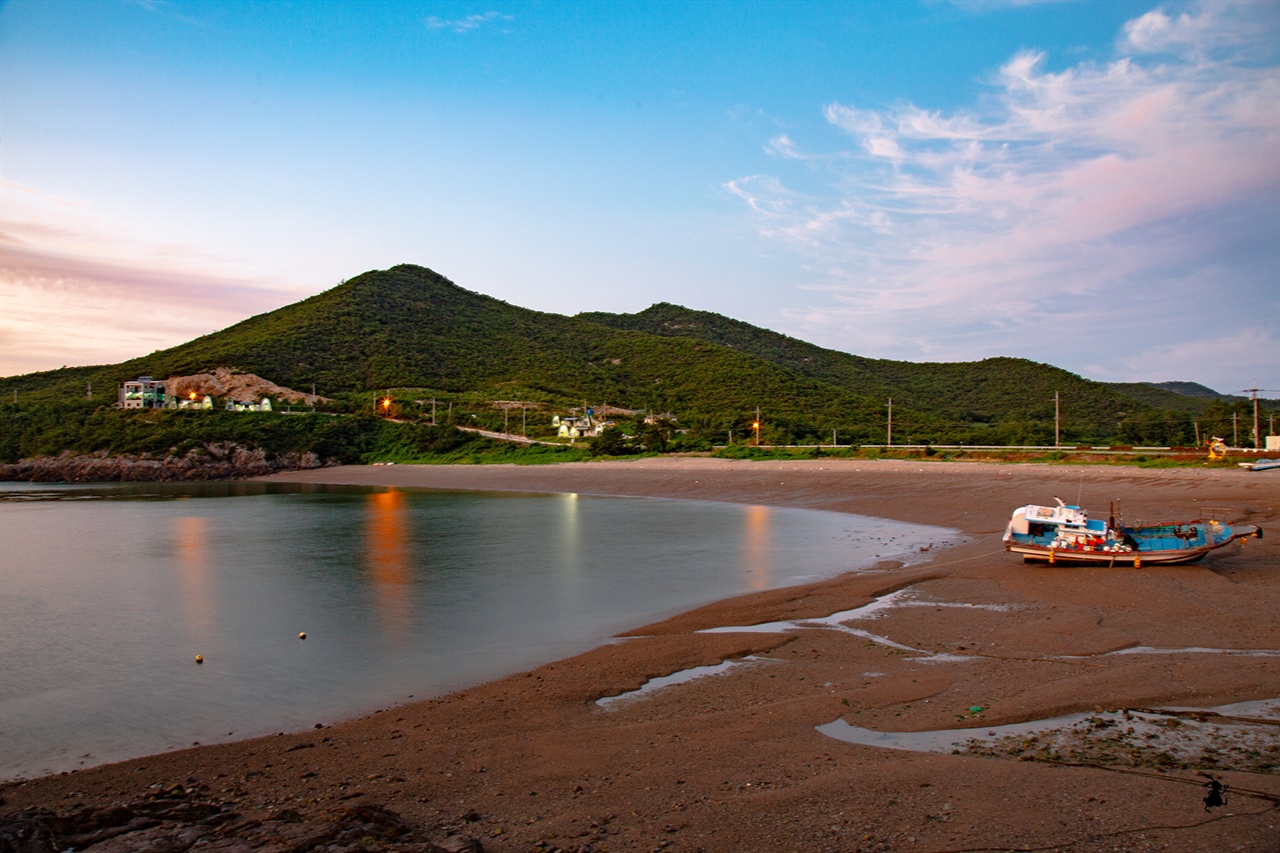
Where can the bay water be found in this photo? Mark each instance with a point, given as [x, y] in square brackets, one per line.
[109, 593]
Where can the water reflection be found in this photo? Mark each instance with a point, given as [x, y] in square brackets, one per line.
[191, 545]
[757, 547]
[98, 630]
[570, 535]
[387, 564]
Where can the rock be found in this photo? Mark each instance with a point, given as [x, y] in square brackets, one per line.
[177, 820]
[241, 387]
[214, 461]
[26, 833]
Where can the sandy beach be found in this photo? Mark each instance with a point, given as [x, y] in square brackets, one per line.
[734, 762]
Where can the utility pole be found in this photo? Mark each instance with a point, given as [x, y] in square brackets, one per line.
[890, 440]
[756, 426]
[1257, 434]
[1057, 421]
[1235, 429]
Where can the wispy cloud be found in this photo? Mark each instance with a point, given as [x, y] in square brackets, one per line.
[167, 8]
[62, 267]
[466, 24]
[1066, 201]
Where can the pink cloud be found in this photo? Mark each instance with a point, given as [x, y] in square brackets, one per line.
[994, 223]
[62, 271]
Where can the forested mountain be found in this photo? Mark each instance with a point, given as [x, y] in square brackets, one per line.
[410, 328]
[976, 392]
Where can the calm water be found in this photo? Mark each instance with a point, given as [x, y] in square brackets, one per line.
[108, 594]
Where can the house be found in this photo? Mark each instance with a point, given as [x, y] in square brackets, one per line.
[586, 426]
[191, 401]
[143, 393]
[237, 406]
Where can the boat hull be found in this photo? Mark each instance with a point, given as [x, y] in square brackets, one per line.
[1137, 558]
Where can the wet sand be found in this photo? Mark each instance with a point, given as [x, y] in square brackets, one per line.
[734, 762]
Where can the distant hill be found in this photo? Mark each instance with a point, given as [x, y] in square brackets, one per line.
[1190, 389]
[410, 328]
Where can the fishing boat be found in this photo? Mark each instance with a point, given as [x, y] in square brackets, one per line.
[1261, 465]
[1066, 534]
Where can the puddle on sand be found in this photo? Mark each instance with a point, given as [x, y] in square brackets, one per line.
[681, 677]
[939, 741]
[1240, 736]
[1191, 650]
[898, 598]
[835, 622]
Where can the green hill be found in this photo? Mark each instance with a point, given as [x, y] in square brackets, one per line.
[975, 393]
[412, 329]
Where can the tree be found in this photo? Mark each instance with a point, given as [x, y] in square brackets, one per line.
[611, 442]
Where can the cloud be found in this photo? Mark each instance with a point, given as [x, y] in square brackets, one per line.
[466, 24]
[1024, 223]
[62, 267]
[1202, 359]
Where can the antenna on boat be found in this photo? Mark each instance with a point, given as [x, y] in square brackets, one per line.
[1080, 491]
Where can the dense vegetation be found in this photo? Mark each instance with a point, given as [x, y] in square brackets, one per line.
[443, 355]
[80, 428]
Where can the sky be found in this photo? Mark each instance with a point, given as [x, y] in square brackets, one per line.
[1093, 185]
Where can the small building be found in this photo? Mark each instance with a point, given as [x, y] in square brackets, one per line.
[144, 393]
[583, 427]
[191, 401]
[238, 406]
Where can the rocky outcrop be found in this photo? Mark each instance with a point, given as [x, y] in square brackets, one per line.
[183, 818]
[219, 461]
[227, 384]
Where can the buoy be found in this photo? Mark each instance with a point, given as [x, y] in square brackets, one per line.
[199, 658]
[302, 635]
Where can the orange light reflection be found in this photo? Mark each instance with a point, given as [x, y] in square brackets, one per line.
[191, 543]
[757, 547]
[386, 560]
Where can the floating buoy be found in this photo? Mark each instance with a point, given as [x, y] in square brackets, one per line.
[199, 658]
[302, 635]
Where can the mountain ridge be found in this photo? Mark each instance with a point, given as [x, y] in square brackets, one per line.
[411, 327]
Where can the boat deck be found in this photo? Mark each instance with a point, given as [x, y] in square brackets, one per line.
[1175, 537]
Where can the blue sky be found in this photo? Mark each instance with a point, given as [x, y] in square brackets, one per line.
[1094, 185]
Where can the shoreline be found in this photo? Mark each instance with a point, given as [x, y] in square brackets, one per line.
[531, 757]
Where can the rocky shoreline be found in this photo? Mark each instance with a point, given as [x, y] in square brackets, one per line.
[212, 462]
[183, 817]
